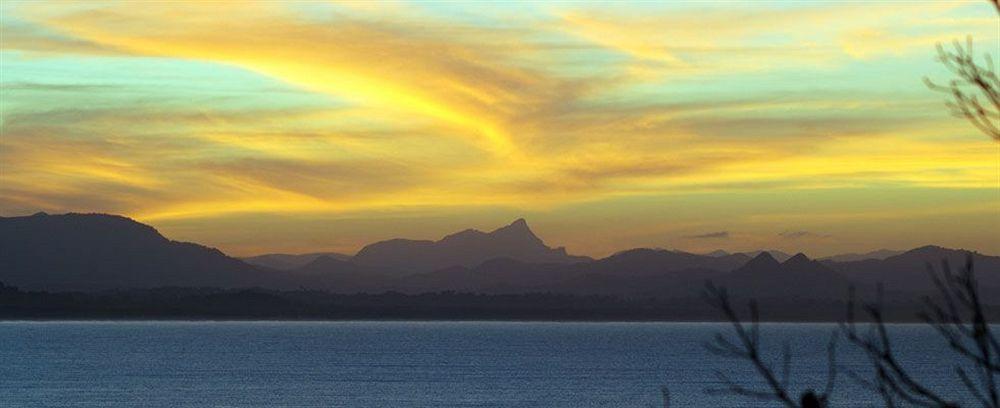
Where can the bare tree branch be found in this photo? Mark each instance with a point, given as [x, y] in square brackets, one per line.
[956, 313]
[960, 319]
[975, 89]
[891, 377]
[748, 347]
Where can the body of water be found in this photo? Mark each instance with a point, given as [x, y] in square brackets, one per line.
[415, 364]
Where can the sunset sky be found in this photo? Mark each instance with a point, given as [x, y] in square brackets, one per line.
[297, 127]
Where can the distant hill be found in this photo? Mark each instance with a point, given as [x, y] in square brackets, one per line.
[467, 248]
[343, 276]
[499, 275]
[99, 251]
[285, 262]
[796, 277]
[908, 271]
[777, 255]
[94, 252]
[636, 271]
[644, 261]
[879, 254]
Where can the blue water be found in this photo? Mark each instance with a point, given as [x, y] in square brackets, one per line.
[412, 364]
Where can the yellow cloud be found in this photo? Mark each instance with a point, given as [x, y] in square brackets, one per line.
[349, 60]
[730, 40]
[439, 111]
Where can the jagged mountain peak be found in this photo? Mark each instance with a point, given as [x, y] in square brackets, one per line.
[466, 248]
[519, 226]
[797, 259]
[763, 259]
[520, 223]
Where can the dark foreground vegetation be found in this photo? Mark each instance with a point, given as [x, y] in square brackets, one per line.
[239, 304]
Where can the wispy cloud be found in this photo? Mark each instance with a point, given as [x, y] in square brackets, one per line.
[164, 111]
[801, 235]
[710, 235]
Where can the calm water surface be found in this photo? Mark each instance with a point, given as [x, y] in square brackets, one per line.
[409, 364]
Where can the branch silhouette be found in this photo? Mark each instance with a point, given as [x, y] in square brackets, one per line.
[974, 92]
[959, 318]
[956, 313]
[748, 347]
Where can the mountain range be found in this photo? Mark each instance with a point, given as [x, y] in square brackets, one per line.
[94, 252]
[99, 251]
[467, 248]
[286, 262]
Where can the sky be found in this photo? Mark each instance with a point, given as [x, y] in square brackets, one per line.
[294, 127]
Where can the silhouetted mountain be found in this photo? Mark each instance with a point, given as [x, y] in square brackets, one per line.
[908, 271]
[685, 283]
[796, 277]
[879, 254]
[326, 264]
[764, 262]
[285, 262]
[467, 248]
[499, 275]
[643, 261]
[637, 271]
[718, 253]
[777, 255]
[342, 276]
[98, 251]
